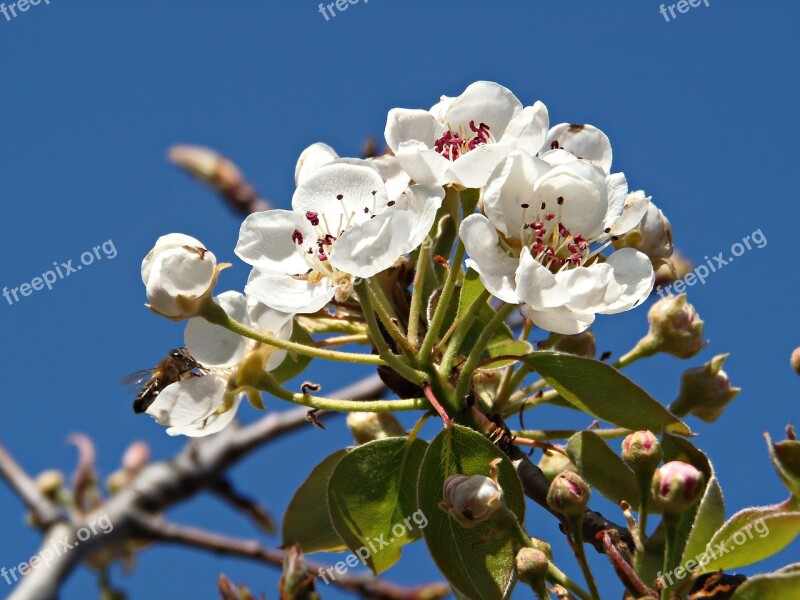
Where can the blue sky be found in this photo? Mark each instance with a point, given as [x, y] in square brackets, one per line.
[698, 110]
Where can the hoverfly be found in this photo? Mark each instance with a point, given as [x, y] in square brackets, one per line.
[176, 366]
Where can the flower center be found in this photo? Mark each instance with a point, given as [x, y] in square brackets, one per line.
[552, 244]
[453, 144]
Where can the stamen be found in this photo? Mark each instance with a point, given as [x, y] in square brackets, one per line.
[312, 217]
[297, 237]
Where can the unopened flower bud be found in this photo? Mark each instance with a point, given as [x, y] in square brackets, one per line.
[471, 499]
[652, 236]
[705, 391]
[580, 344]
[677, 486]
[677, 267]
[542, 546]
[675, 328]
[179, 274]
[568, 493]
[136, 457]
[552, 463]
[50, 483]
[795, 360]
[532, 566]
[641, 451]
[366, 426]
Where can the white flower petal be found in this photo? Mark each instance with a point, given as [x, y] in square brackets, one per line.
[422, 202]
[616, 194]
[407, 125]
[633, 212]
[287, 294]
[178, 274]
[473, 169]
[633, 271]
[267, 241]
[423, 164]
[394, 177]
[496, 270]
[483, 102]
[588, 286]
[509, 187]
[584, 141]
[212, 345]
[537, 286]
[559, 320]
[576, 202]
[171, 240]
[342, 194]
[280, 324]
[439, 110]
[311, 159]
[369, 248]
[213, 424]
[528, 129]
[188, 402]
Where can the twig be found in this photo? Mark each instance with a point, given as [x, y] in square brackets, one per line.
[158, 529]
[252, 509]
[624, 569]
[45, 512]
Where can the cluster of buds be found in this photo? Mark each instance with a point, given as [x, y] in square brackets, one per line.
[705, 391]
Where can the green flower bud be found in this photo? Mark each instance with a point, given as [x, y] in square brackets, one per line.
[568, 493]
[471, 499]
[367, 427]
[675, 328]
[532, 567]
[641, 451]
[552, 463]
[705, 391]
[580, 344]
[677, 486]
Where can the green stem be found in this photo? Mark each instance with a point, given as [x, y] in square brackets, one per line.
[545, 435]
[576, 540]
[442, 305]
[511, 381]
[213, 313]
[671, 523]
[480, 345]
[266, 383]
[417, 294]
[389, 358]
[465, 322]
[388, 316]
[642, 349]
[558, 577]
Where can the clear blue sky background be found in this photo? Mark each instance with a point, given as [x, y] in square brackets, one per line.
[701, 112]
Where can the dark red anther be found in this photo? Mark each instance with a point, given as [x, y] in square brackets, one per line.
[554, 145]
[572, 248]
[297, 237]
[328, 239]
[576, 258]
[563, 231]
[538, 225]
[549, 217]
[312, 217]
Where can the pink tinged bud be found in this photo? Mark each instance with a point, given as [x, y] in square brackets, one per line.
[795, 360]
[705, 391]
[532, 566]
[568, 493]
[136, 457]
[677, 486]
[641, 451]
[471, 499]
[675, 327]
[367, 427]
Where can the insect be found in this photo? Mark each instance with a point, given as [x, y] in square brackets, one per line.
[176, 366]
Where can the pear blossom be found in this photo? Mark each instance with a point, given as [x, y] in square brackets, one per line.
[539, 240]
[178, 274]
[342, 226]
[586, 142]
[461, 140]
[206, 404]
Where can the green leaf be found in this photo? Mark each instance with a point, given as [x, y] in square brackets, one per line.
[502, 347]
[471, 289]
[372, 500]
[294, 363]
[782, 584]
[602, 468]
[478, 565]
[603, 392]
[751, 535]
[785, 457]
[307, 521]
[709, 518]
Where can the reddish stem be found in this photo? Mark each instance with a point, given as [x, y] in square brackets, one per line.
[435, 403]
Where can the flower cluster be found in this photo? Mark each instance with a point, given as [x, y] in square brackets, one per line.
[548, 207]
